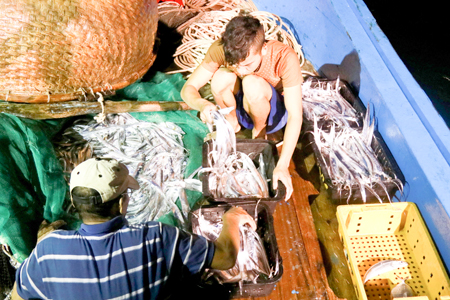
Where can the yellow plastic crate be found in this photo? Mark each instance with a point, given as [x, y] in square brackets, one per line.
[376, 232]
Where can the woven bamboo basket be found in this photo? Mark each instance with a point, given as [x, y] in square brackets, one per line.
[60, 50]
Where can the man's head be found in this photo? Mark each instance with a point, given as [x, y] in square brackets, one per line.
[98, 186]
[243, 41]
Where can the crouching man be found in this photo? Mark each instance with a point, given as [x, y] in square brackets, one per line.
[261, 79]
[108, 259]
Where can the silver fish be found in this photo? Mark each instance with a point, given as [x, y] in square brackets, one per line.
[326, 103]
[231, 173]
[402, 290]
[252, 259]
[350, 160]
[383, 267]
[154, 154]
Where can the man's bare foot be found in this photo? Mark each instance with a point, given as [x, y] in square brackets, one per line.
[232, 119]
[276, 137]
[259, 134]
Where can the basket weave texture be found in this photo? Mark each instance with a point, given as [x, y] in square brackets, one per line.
[59, 50]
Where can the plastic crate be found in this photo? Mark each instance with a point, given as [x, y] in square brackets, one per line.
[265, 230]
[347, 93]
[375, 232]
[388, 164]
[270, 156]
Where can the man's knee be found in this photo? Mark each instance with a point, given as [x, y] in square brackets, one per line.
[256, 89]
[222, 80]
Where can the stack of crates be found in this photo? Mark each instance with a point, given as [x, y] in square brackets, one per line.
[372, 233]
[261, 209]
[380, 148]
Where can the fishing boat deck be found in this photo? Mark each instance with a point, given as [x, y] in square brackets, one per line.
[307, 271]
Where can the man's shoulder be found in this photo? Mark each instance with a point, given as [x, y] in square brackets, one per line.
[58, 235]
[280, 49]
[216, 48]
[277, 45]
[151, 225]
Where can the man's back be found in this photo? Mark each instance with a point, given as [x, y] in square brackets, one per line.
[112, 261]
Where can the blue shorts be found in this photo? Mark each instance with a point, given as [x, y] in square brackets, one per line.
[278, 114]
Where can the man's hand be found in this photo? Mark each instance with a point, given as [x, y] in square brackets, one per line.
[283, 175]
[205, 111]
[14, 295]
[46, 228]
[227, 244]
[238, 216]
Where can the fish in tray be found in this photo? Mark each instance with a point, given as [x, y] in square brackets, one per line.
[350, 160]
[155, 156]
[251, 262]
[232, 173]
[324, 102]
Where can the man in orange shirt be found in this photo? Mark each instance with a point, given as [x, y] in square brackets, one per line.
[261, 79]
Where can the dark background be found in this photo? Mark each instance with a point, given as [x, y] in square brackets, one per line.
[419, 31]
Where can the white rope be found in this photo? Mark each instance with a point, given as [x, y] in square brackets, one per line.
[13, 261]
[101, 117]
[200, 35]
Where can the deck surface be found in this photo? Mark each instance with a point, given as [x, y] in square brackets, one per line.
[304, 275]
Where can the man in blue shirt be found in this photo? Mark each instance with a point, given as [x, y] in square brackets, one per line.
[108, 259]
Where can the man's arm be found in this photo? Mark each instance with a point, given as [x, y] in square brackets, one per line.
[190, 95]
[227, 244]
[293, 103]
[14, 295]
[44, 229]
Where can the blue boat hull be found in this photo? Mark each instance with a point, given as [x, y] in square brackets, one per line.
[341, 38]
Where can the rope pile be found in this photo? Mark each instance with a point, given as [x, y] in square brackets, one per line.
[208, 25]
[180, 17]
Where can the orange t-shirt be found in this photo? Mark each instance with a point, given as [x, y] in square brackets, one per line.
[279, 66]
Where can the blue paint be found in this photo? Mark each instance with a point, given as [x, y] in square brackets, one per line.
[295, 292]
[341, 38]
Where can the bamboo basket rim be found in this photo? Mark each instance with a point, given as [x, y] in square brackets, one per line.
[49, 98]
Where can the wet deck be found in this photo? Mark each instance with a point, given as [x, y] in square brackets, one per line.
[313, 260]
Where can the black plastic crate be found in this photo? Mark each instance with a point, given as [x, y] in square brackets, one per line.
[347, 93]
[387, 162]
[265, 229]
[270, 156]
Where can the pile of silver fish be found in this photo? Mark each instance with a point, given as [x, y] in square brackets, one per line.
[155, 156]
[325, 102]
[231, 173]
[251, 262]
[350, 160]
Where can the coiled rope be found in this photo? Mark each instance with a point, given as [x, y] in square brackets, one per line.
[208, 25]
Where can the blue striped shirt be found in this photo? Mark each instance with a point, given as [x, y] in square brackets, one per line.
[112, 260]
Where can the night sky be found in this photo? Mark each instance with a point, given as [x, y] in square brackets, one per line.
[420, 34]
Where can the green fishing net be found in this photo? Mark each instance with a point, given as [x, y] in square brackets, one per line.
[32, 186]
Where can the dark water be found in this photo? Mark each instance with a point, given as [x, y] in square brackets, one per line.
[419, 31]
